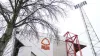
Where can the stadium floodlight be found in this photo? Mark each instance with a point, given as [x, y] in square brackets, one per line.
[90, 30]
[80, 5]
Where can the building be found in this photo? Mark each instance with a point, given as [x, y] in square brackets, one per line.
[60, 49]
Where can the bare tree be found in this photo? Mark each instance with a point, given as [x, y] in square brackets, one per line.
[27, 14]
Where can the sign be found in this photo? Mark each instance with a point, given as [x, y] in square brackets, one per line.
[45, 46]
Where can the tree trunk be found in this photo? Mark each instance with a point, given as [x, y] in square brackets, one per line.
[17, 46]
[5, 38]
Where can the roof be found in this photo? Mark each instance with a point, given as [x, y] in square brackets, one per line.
[76, 47]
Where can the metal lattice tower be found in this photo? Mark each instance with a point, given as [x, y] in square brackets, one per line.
[93, 38]
[72, 44]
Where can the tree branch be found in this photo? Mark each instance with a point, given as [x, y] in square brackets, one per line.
[29, 5]
[11, 5]
[23, 21]
[27, 16]
[3, 14]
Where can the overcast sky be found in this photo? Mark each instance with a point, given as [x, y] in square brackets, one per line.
[74, 22]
